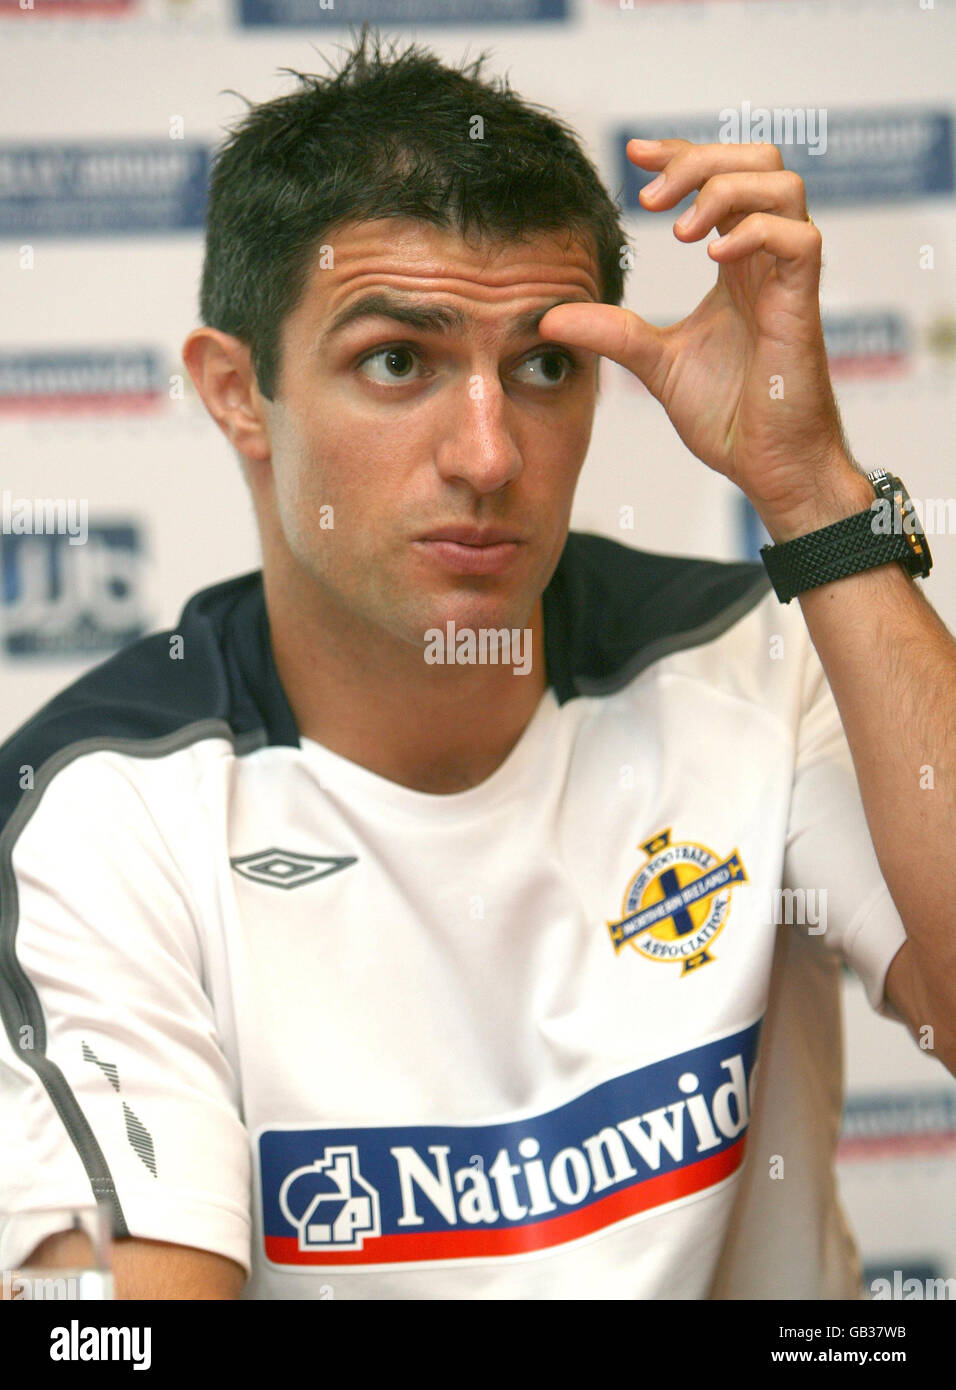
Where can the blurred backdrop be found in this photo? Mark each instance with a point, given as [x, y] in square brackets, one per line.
[109, 111]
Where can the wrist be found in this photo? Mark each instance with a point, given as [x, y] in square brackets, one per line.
[844, 495]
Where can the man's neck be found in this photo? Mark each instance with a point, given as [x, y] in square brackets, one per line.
[431, 727]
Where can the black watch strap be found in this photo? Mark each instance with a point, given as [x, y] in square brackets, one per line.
[833, 552]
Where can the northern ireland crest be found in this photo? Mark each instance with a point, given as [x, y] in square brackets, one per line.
[677, 903]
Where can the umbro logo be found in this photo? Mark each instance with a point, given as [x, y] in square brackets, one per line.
[283, 869]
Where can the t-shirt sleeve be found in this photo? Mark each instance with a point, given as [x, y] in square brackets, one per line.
[829, 848]
[113, 1075]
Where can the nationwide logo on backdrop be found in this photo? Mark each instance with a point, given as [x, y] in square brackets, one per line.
[61, 598]
[102, 189]
[897, 1123]
[871, 156]
[314, 13]
[405, 1193]
[57, 382]
[867, 344]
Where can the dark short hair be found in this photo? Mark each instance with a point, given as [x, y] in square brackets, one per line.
[387, 135]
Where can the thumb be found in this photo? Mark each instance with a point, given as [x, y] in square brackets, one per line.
[611, 332]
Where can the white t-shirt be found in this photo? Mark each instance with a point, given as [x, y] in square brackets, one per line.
[378, 1043]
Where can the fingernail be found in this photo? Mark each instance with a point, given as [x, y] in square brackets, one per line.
[647, 144]
[652, 189]
[686, 218]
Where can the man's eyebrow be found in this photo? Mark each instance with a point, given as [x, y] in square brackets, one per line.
[429, 318]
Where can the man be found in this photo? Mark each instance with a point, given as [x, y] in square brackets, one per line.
[340, 956]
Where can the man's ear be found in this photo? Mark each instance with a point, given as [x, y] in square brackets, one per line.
[221, 370]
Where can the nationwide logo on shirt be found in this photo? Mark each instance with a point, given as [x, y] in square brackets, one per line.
[395, 1194]
[676, 905]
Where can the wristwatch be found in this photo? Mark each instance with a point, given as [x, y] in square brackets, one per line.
[888, 530]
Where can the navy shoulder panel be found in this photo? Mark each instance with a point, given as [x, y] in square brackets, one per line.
[611, 610]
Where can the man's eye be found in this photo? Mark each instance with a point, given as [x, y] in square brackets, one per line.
[390, 365]
[550, 368]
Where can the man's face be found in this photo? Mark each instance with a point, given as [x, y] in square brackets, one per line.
[435, 406]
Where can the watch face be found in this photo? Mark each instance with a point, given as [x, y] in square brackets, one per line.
[905, 520]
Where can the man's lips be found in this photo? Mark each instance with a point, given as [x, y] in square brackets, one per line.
[472, 535]
[471, 549]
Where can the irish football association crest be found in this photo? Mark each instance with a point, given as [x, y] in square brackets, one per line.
[677, 904]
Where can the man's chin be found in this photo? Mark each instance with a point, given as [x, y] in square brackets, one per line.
[470, 612]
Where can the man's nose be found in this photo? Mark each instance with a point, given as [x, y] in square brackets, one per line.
[479, 445]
